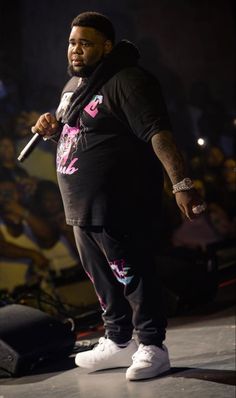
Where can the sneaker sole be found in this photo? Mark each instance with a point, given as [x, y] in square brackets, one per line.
[104, 366]
[140, 375]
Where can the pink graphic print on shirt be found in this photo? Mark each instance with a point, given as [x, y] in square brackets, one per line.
[70, 137]
[91, 108]
[66, 151]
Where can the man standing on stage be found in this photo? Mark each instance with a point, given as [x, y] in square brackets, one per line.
[113, 139]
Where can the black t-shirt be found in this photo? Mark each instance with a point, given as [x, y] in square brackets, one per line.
[107, 171]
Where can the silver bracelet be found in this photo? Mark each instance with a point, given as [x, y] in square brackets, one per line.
[185, 185]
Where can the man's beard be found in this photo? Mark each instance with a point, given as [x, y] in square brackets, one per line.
[85, 71]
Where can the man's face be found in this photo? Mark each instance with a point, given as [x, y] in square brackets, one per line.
[86, 48]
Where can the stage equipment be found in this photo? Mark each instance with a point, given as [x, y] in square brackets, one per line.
[29, 337]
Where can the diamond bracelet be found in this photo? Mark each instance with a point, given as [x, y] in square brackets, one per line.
[185, 185]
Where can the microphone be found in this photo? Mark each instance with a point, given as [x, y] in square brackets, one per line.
[26, 151]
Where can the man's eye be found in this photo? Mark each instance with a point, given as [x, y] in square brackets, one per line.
[86, 44]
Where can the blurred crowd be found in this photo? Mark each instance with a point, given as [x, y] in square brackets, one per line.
[214, 177]
[36, 243]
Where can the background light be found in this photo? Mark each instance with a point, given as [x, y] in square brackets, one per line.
[201, 141]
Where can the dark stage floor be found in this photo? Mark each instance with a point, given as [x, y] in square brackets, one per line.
[201, 343]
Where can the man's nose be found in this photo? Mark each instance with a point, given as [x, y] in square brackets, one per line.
[78, 48]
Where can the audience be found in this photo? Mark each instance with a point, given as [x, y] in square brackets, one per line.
[211, 227]
[22, 237]
[229, 187]
[48, 206]
[42, 164]
[10, 169]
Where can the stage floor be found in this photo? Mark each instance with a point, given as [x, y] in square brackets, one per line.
[202, 351]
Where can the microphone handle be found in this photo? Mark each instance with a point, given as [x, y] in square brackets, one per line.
[26, 151]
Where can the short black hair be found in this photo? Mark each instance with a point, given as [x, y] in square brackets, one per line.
[100, 22]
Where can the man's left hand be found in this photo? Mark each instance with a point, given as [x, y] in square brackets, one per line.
[190, 203]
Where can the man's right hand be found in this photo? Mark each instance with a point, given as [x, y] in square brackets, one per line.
[46, 125]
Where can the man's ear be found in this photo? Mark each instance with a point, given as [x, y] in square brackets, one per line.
[108, 46]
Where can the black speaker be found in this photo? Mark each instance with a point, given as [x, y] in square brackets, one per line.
[28, 337]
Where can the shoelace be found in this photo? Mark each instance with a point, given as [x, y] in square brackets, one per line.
[101, 344]
[144, 353]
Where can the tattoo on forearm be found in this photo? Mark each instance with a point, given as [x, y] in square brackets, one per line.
[169, 155]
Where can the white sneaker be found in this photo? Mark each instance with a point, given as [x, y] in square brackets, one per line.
[149, 361]
[106, 355]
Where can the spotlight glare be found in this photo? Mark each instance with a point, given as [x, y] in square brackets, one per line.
[201, 141]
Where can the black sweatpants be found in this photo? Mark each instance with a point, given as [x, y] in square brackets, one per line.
[122, 270]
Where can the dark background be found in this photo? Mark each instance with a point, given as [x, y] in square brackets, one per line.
[187, 43]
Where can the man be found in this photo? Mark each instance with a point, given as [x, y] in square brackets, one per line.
[113, 133]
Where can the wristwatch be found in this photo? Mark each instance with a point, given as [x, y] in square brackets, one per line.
[185, 185]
